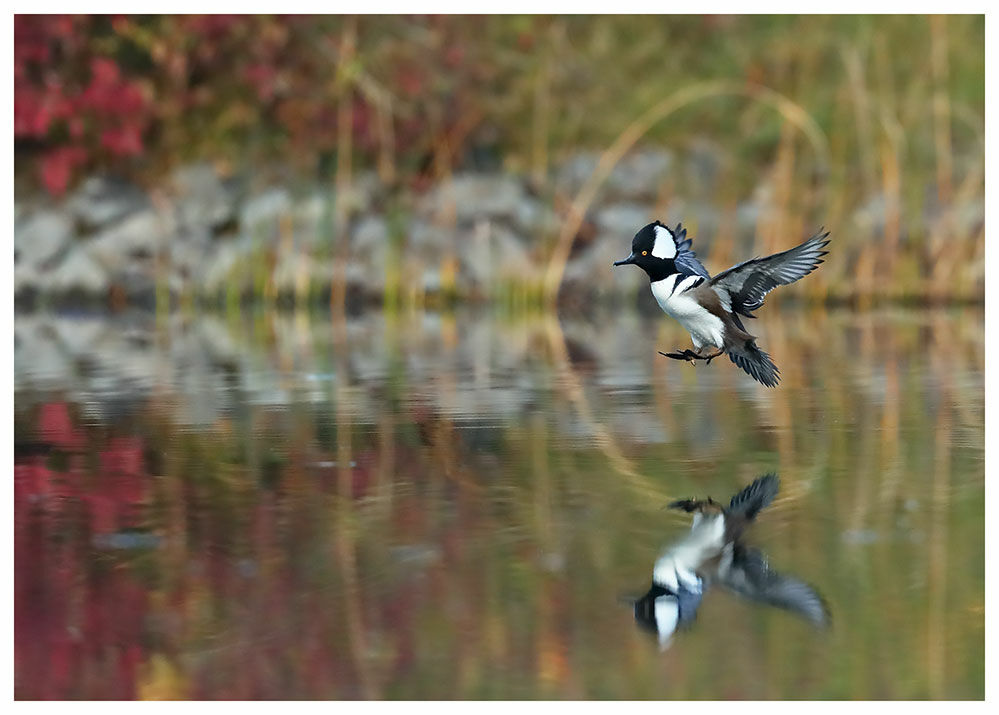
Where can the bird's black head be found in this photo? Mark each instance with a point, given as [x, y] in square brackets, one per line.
[653, 249]
[645, 609]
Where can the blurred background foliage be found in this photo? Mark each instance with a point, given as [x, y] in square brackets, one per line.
[137, 93]
[828, 117]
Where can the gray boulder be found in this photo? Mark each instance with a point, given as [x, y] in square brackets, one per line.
[640, 174]
[26, 278]
[313, 220]
[102, 200]
[139, 235]
[624, 219]
[40, 237]
[491, 252]
[535, 218]
[260, 215]
[202, 199]
[79, 271]
[471, 196]
[594, 267]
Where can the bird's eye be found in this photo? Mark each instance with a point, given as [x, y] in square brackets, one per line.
[645, 253]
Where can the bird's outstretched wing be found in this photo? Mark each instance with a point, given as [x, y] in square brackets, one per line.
[747, 284]
[684, 258]
[747, 573]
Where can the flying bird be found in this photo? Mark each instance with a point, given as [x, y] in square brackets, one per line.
[713, 553]
[711, 309]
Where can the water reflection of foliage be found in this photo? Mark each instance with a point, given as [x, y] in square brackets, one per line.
[444, 561]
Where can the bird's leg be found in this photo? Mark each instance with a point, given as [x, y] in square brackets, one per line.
[708, 358]
[691, 355]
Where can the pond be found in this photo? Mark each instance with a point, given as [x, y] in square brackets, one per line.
[460, 505]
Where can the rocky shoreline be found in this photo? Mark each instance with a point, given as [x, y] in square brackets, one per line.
[206, 237]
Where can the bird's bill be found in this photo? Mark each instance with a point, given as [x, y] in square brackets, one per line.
[626, 261]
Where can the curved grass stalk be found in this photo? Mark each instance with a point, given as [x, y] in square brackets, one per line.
[792, 112]
[601, 436]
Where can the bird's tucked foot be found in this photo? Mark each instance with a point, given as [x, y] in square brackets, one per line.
[689, 355]
[709, 358]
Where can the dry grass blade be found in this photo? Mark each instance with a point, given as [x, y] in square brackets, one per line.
[792, 112]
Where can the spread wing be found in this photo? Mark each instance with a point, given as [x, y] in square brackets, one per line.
[685, 259]
[748, 574]
[747, 284]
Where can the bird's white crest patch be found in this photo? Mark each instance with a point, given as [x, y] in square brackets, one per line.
[664, 246]
[667, 616]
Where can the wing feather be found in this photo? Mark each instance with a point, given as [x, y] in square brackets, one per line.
[749, 575]
[747, 284]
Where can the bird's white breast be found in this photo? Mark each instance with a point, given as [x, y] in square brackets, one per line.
[704, 327]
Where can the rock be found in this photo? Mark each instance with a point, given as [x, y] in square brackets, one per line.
[187, 258]
[594, 268]
[313, 220]
[510, 254]
[474, 196]
[79, 271]
[369, 233]
[637, 176]
[295, 272]
[623, 219]
[140, 235]
[702, 167]
[574, 172]
[261, 214]
[219, 268]
[41, 237]
[428, 238]
[534, 218]
[640, 174]
[491, 252]
[80, 336]
[103, 200]
[202, 200]
[360, 194]
[26, 278]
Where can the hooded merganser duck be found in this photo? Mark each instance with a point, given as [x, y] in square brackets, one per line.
[712, 552]
[709, 308]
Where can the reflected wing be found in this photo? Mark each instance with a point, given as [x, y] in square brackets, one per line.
[746, 572]
[747, 284]
[756, 496]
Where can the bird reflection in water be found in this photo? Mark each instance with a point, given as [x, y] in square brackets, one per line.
[713, 553]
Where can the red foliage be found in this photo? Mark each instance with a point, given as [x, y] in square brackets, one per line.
[79, 630]
[71, 115]
[92, 92]
[56, 426]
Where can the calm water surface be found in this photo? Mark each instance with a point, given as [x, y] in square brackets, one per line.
[458, 506]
